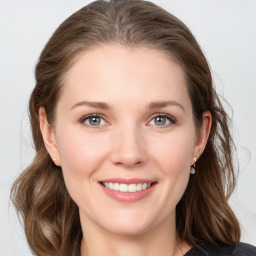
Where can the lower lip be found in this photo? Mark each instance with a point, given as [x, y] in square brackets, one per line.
[128, 196]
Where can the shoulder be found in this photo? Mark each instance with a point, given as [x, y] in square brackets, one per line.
[244, 249]
[209, 249]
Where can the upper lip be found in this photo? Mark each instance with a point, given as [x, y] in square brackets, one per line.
[128, 181]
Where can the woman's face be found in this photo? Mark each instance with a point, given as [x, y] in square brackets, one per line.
[125, 138]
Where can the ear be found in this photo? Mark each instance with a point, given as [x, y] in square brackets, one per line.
[202, 135]
[48, 137]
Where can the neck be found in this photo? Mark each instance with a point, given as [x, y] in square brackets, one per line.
[158, 241]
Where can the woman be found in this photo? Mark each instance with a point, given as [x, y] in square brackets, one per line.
[133, 150]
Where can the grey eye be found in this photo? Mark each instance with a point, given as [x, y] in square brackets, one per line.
[161, 120]
[94, 121]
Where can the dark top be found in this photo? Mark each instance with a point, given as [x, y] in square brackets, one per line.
[207, 249]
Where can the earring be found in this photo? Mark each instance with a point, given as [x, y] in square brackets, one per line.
[192, 168]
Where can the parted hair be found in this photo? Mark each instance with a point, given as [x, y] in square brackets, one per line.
[49, 215]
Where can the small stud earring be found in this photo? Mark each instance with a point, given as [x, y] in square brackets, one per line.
[192, 168]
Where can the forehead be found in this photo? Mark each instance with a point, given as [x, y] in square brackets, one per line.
[114, 72]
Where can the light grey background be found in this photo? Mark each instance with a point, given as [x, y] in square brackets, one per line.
[226, 30]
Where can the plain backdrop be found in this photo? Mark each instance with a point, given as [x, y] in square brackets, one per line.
[226, 31]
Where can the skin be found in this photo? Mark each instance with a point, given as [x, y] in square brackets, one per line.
[127, 142]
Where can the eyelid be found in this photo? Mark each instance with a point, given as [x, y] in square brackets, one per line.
[173, 119]
[82, 120]
[169, 117]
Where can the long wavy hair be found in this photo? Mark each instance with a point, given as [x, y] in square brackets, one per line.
[50, 216]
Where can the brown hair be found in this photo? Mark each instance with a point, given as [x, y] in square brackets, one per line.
[51, 218]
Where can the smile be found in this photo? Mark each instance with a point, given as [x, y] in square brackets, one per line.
[130, 190]
[122, 187]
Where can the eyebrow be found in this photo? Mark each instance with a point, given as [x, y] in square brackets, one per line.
[100, 105]
[162, 104]
[152, 105]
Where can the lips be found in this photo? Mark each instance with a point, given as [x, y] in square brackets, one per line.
[127, 190]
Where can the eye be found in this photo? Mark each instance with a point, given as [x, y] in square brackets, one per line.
[162, 120]
[93, 120]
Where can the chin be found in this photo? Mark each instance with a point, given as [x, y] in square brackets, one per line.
[129, 230]
[129, 225]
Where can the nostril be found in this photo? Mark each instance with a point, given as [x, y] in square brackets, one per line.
[129, 163]
[129, 153]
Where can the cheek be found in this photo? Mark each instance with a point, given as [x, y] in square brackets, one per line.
[173, 158]
[171, 155]
[79, 153]
[81, 156]
[175, 153]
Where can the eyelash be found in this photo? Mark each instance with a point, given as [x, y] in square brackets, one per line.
[83, 119]
[171, 119]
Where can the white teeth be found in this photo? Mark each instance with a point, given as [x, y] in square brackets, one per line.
[116, 186]
[139, 187]
[123, 187]
[144, 186]
[127, 187]
[132, 187]
[106, 184]
[111, 185]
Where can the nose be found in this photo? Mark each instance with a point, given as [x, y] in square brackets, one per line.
[129, 148]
